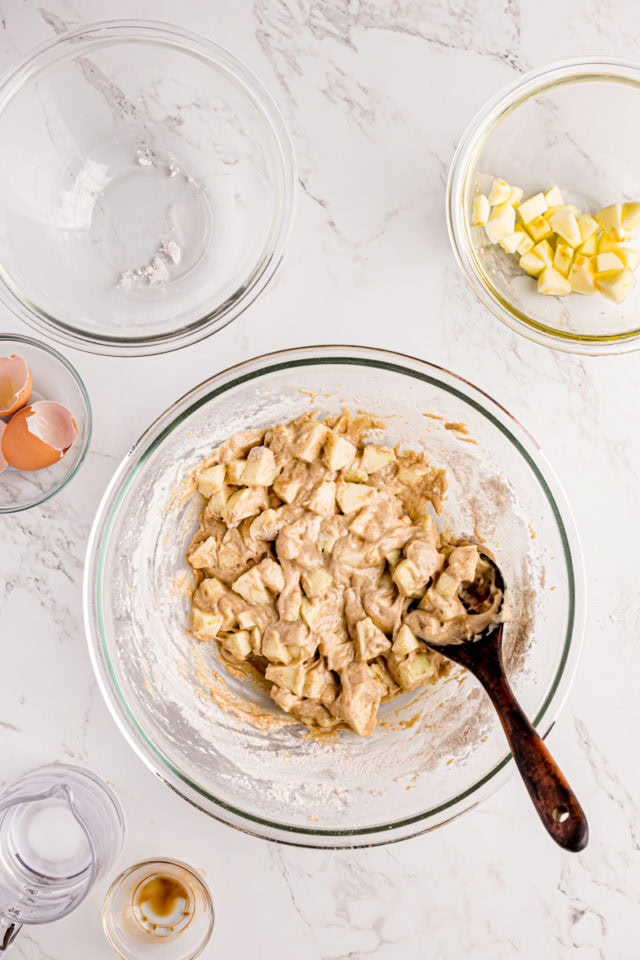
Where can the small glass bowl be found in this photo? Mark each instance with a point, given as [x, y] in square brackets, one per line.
[570, 123]
[148, 185]
[53, 379]
[158, 908]
[219, 741]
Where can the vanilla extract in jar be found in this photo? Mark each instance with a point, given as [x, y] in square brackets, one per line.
[159, 908]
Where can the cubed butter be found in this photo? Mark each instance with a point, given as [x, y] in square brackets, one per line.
[606, 263]
[563, 258]
[481, 210]
[531, 264]
[534, 207]
[501, 223]
[581, 276]
[565, 223]
[539, 229]
[630, 216]
[552, 283]
[499, 193]
[544, 251]
[616, 286]
[553, 196]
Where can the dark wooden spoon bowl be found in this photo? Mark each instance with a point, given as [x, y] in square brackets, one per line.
[553, 798]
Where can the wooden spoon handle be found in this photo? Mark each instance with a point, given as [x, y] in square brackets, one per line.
[553, 798]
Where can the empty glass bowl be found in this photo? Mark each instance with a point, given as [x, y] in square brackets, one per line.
[571, 124]
[148, 182]
[53, 379]
[218, 740]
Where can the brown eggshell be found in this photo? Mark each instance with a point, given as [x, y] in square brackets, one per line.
[3, 462]
[16, 384]
[38, 435]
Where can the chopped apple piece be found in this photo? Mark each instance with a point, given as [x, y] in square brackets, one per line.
[616, 286]
[563, 258]
[290, 676]
[251, 588]
[375, 457]
[310, 441]
[552, 283]
[565, 223]
[210, 480]
[581, 276]
[414, 670]
[311, 613]
[499, 193]
[481, 210]
[405, 642]
[273, 648]
[323, 499]
[260, 468]
[211, 589]
[533, 207]
[218, 501]
[370, 641]
[266, 525]
[237, 644]
[316, 582]
[246, 502]
[271, 574]
[446, 585]
[338, 453]
[204, 554]
[235, 469]
[352, 496]
[205, 626]
[407, 578]
[501, 223]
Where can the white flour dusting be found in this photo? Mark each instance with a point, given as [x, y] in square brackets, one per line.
[158, 270]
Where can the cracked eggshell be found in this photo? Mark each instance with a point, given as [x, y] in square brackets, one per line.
[16, 384]
[38, 435]
[3, 462]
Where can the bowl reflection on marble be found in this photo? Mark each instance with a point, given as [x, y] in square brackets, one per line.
[148, 183]
[53, 379]
[219, 740]
[568, 123]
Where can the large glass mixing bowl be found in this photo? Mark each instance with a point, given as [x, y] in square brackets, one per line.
[218, 740]
[147, 188]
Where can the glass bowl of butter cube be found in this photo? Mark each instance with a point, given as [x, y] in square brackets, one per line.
[543, 205]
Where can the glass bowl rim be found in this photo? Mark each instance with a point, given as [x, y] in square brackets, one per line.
[46, 348]
[547, 77]
[43, 57]
[105, 519]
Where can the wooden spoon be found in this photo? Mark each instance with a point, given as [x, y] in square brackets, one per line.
[553, 798]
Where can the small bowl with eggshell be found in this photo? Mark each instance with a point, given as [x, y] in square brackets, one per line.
[45, 422]
[566, 125]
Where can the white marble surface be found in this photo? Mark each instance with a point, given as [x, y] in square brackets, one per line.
[393, 84]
